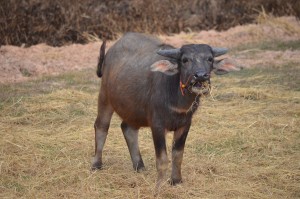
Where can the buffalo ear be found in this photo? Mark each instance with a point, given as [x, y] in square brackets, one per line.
[224, 66]
[165, 67]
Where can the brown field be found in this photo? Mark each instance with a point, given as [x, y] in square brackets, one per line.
[244, 141]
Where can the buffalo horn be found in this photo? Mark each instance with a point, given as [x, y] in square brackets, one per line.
[172, 53]
[219, 51]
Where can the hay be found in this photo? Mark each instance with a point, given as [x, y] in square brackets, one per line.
[244, 142]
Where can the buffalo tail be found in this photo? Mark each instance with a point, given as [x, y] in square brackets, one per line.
[101, 59]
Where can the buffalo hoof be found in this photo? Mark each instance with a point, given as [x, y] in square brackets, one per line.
[96, 166]
[139, 167]
[174, 182]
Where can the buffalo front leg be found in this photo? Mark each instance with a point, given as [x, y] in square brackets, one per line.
[177, 153]
[131, 137]
[101, 129]
[159, 140]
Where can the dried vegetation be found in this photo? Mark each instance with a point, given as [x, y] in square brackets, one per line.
[57, 22]
[244, 141]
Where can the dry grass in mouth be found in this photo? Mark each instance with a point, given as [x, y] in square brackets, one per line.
[244, 141]
[202, 89]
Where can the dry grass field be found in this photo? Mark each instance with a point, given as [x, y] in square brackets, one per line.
[244, 141]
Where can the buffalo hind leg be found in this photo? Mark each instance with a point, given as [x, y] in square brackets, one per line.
[177, 153]
[101, 129]
[131, 137]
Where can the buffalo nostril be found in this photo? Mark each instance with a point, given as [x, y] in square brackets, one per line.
[201, 76]
[206, 76]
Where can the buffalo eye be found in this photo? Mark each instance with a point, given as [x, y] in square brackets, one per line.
[210, 59]
[185, 60]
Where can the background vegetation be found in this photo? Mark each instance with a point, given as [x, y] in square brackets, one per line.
[57, 22]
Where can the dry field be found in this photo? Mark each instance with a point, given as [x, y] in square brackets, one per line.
[244, 141]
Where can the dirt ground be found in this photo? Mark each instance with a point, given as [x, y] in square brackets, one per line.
[20, 64]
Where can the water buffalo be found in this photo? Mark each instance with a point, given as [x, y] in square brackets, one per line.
[152, 84]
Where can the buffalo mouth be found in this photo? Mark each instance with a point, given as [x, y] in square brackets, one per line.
[200, 88]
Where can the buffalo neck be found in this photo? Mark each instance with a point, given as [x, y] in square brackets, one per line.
[181, 100]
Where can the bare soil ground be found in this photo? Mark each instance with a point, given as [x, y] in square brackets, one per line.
[19, 64]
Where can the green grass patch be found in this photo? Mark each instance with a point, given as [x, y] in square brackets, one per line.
[270, 45]
[284, 77]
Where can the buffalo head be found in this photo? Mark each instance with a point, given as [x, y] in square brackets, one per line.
[194, 63]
